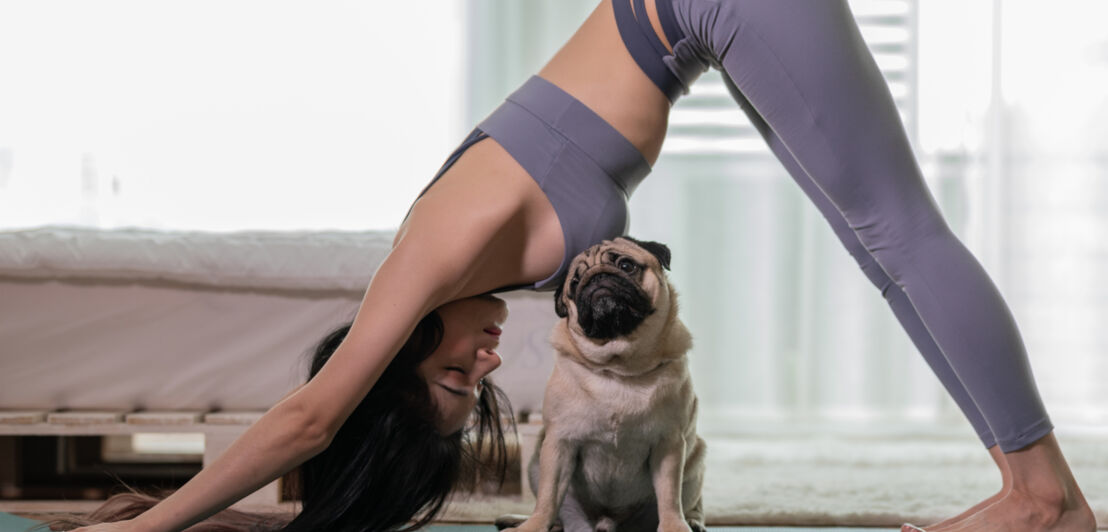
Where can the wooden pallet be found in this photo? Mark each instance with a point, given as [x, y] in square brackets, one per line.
[220, 429]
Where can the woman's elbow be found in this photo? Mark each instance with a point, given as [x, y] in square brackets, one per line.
[310, 432]
[317, 437]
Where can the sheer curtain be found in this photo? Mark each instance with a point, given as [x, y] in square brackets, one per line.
[789, 335]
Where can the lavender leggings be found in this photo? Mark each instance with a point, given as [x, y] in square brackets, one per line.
[801, 72]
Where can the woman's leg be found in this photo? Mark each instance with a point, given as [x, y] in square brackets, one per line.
[805, 70]
[895, 296]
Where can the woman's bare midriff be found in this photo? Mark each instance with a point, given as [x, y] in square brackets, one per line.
[527, 243]
[595, 67]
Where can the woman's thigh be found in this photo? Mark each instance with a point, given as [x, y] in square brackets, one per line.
[807, 72]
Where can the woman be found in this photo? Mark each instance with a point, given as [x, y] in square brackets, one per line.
[549, 173]
[413, 420]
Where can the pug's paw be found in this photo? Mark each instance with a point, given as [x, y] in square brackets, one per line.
[696, 525]
[526, 526]
[509, 521]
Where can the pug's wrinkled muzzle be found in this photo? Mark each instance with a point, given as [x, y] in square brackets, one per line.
[610, 306]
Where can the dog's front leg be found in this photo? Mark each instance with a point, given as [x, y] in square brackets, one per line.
[556, 460]
[667, 465]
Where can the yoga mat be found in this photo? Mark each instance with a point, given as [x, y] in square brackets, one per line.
[14, 523]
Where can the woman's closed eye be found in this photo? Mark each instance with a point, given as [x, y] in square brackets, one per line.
[454, 391]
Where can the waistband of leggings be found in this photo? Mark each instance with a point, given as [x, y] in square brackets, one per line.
[604, 144]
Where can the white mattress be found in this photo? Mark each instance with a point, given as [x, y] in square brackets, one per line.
[272, 260]
[132, 319]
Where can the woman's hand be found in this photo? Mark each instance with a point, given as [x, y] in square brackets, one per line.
[115, 526]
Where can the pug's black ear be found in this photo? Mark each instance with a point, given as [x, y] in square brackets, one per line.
[559, 307]
[658, 249]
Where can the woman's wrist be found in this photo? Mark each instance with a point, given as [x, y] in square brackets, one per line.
[152, 521]
[130, 525]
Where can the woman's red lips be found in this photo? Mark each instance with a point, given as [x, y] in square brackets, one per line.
[495, 331]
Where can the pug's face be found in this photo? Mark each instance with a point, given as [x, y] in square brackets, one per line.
[613, 289]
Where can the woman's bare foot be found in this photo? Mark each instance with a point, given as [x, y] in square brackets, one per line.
[1043, 497]
[1018, 513]
[1006, 484]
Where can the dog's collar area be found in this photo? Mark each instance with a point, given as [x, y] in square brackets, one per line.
[607, 371]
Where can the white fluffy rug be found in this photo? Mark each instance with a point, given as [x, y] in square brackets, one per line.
[849, 481]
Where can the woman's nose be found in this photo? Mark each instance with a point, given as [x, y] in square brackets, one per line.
[487, 361]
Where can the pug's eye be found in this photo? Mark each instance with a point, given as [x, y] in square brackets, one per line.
[573, 284]
[627, 266]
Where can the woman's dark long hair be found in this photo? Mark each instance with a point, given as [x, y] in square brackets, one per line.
[386, 469]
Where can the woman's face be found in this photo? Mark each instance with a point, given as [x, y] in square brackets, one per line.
[453, 371]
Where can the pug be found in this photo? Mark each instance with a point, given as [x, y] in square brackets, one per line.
[618, 449]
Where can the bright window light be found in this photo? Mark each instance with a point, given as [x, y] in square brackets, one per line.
[213, 115]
